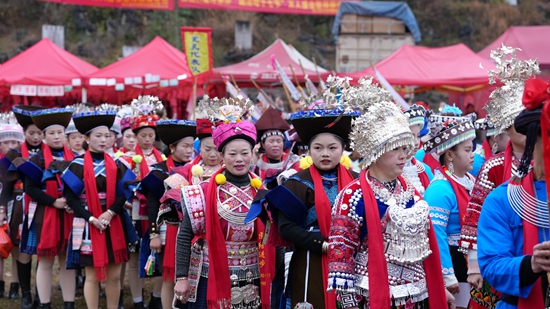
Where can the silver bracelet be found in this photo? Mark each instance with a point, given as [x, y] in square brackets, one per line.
[92, 218]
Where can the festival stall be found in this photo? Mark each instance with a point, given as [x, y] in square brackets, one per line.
[261, 68]
[45, 74]
[158, 68]
[528, 39]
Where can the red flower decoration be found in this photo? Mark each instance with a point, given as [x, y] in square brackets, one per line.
[535, 93]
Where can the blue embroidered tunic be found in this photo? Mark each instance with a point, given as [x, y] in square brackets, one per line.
[500, 246]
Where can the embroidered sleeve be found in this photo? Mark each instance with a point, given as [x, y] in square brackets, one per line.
[483, 186]
[441, 198]
[344, 240]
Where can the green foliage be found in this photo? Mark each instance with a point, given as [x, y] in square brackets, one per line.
[97, 34]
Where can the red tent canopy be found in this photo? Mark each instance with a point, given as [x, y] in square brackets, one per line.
[260, 69]
[155, 64]
[44, 64]
[533, 41]
[454, 65]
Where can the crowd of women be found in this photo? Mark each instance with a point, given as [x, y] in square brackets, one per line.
[274, 214]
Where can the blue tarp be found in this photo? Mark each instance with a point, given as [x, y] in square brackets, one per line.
[397, 10]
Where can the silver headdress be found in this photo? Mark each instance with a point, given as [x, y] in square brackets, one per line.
[382, 127]
[505, 102]
[111, 108]
[10, 130]
[146, 105]
[227, 110]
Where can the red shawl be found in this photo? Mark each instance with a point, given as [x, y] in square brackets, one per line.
[143, 167]
[462, 195]
[431, 162]
[424, 179]
[170, 165]
[380, 288]
[116, 233]
[323, 207]
[508, 161]
[25, 149]
[530, 239]
[219, 290]
[487, 149]
[50, 238]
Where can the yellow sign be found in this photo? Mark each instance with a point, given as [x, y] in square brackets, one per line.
[197, 49]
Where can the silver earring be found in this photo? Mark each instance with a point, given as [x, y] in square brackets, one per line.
[494, 148]
[451, 167]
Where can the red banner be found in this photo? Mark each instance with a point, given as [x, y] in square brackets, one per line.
[123, 4]
[306, 7]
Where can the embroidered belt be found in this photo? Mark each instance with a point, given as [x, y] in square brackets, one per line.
[102, 196]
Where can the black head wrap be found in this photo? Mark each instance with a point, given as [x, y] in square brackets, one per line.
[528, 124]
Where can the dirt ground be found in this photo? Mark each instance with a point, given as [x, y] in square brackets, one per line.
[57, 299]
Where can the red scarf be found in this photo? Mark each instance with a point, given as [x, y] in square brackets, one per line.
[462, 195]
[25, 149]
[219, 289]
[379, 286]
[99, 241]
[143, 167]
[530, 239]
[508, 161]
[487, 149]
[431, 162]
[424, 179]
[50, 238]
[170, 165]
[323, 207]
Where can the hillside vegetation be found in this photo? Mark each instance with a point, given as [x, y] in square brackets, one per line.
[98, 34]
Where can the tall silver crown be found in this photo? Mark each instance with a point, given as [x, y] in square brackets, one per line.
[505, 102]
[227, 110]
[146, 105]
[382, 125]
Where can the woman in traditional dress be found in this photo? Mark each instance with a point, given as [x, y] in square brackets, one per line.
[48, 219]
[382, 250]
[94, 189]
[449, 193]
[11, 137]
[502, 109]
[513, 236]
[418, 172]
[301, 207]
[178, 135]
[12, 192]
[203, 166]
[213, 233]
[141, 158]
[75, 140]
[272, 160]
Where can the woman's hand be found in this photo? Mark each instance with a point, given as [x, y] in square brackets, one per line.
[476, 281]
[98, 225]
[105, 218]
[540, 260]
[155, 244]
[128, 206]
[182, 291]
[454, 289]
[450, 300]
[60, 203]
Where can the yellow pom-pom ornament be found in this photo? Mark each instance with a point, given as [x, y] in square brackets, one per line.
[163, 157]
[197, 170]
[256, 183]
[345, 161]
[306, 162]
[221, 179]
[118, 154]
[137, 159]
